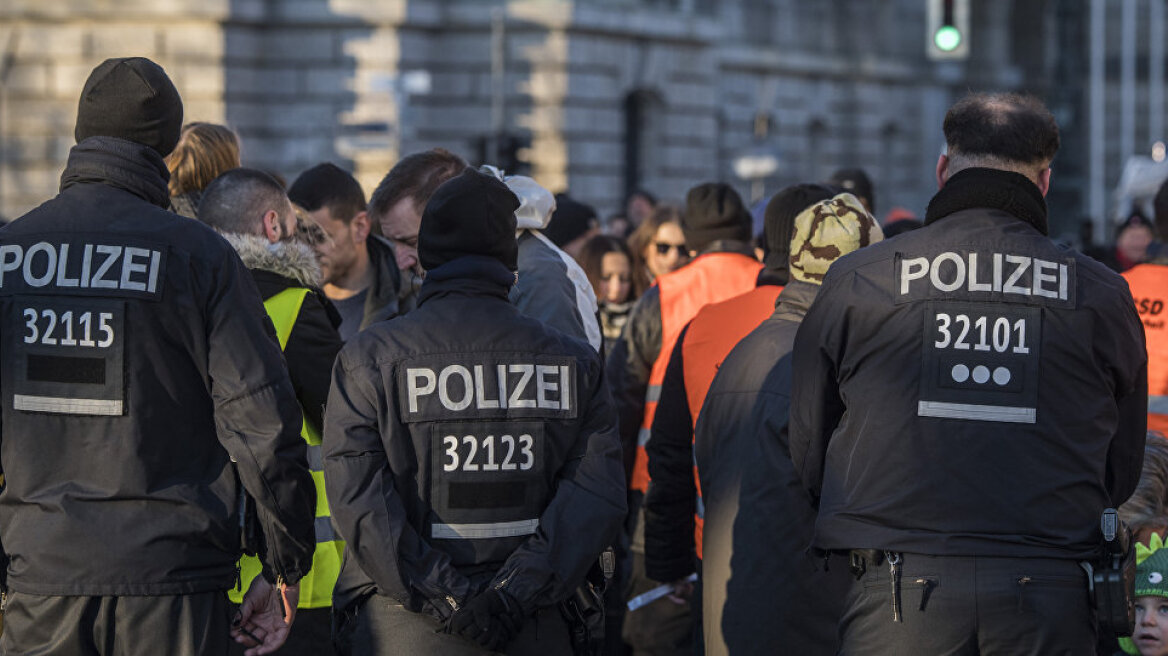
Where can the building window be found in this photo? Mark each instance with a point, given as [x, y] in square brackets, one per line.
[643, 115]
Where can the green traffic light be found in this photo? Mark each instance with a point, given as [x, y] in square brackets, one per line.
[947, 38]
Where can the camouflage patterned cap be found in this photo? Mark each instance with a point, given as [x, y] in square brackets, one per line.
[827, 231]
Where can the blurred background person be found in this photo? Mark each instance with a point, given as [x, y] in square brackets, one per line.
[639, 206]
[619, 226]
[1146, 511]
[1132, 239]
[203, 153]
[658, 247]
[857, 183]
[550, 286]
[609, 266]
[572, 224]
[718, 234]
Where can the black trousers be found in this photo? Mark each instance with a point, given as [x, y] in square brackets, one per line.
[311, 634]
[971, 605]
[383, 627]
[662, 628]
[184, 625]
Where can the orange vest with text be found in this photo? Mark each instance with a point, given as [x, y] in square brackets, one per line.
[710, 278]
[713, 333]
[1149, 288]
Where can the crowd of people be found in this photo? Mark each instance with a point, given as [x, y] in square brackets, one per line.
[464, 414]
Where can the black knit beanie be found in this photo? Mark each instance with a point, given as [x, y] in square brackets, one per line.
[471, 214]
[131, 98]
[857, 183]
[714, 211]
[570, 219]
[779, 221]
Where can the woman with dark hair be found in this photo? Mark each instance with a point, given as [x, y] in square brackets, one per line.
[204, 151]
[609, 267]
[658, 247]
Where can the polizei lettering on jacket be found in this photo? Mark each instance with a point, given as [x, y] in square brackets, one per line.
[985, 275]
[471, 386]
[82, 268]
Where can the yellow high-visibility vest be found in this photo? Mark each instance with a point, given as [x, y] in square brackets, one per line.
[316, 588]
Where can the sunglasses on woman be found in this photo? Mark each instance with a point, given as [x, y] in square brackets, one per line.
[664, 248]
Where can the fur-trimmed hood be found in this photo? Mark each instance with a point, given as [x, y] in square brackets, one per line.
[291, 259]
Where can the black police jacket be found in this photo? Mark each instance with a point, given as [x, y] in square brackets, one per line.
[970, 388]
[469, 446]
[138, 362]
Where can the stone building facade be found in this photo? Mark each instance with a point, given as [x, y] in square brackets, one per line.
[605, 95]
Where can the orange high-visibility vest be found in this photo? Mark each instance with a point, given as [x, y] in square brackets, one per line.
[1149, 288]
[710, 278]
[713, 333]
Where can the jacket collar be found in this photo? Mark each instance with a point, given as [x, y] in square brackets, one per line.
[382, 300]
[470, 275]
[290, 259]
[728, 246]
[121, 164]
[794, 300]
[981, 188]
[772, 276]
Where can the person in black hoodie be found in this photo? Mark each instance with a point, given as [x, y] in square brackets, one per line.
[968, 398]
[138, 365]
[470, 454]
[758, 519]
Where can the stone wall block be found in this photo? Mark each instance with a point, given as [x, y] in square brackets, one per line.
[457, 119]
[367, 46]
[41, 116]
[595, 153]
[30, 184]
[594, 87]
[258, 83]
[331, 81]
[28, 79]
[242, 43]
[594, 121]
[247, 116]
[122, 40]
[200, 109]
[200, 41]
[284, 45]
[52, 41]
[456, 84]
[461, 49]
[304, 118]
[21, 149]
[198, 80]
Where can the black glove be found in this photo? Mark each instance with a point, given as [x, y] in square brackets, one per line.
[492, 619]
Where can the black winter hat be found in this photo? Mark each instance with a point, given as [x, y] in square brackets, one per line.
[714, 211]
[779, 221]
[857, 183]
[471, 214]
[570, 219]
[131, 98]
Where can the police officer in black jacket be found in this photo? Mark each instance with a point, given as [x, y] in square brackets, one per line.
[471, 455]
[968, 398]
[138, 363]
